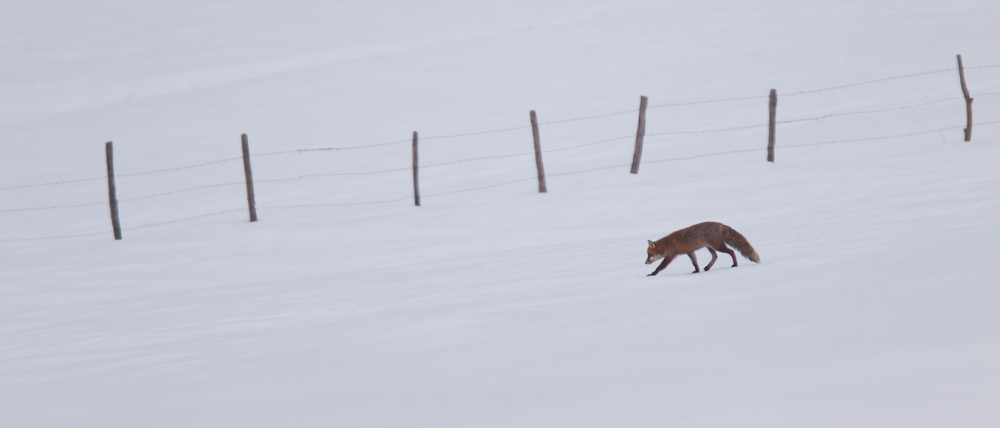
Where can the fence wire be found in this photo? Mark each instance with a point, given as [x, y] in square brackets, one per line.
[52, 183]
[179, 168]
[501, 130]
[581, 118]
[869, 82]
[162, 223]
[908, 107]
[46, 238]
[53, 207]
[189, 189]
[505, 183]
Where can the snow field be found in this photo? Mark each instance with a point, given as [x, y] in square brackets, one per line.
[874, 304]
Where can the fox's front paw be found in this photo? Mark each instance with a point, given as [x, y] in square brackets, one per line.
[652, 274]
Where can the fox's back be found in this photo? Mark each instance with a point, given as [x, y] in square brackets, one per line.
[694, 237]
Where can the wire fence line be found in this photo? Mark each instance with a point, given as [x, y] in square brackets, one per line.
[53, 207]
[173, 192]
[807, 119]
[480, 158]
[884, 110]
[483, 158]
[162, 223]
[434, 165]
[712, 101]
[144, 226]
[505, 183]
[335, 204]
[327, 149]
[46, 238]
[179, 168]
[500, 130]
[869, 82]
[623, 165]
[52, 183]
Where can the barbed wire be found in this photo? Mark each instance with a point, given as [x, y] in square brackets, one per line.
[189, 189]
[609, 140]
[912, 106]
[471, 189]
[434, 165]
[184, 219]
[178, 168]
[809, 119]
[515, 128]
[44, 238]
[476, 159]
[596, 116]
[622, 165]
[717, 100]
[469, 134]
[884, 137]
[707, 131]
[333, 204]
[88, 204]
[52, 183]
[431, 195]
[52, 207]
[868, 82]
[582, 171]
[331, 174]
[327, 149]
[589, 117]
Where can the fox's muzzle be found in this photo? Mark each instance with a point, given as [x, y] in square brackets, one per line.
[649, 261]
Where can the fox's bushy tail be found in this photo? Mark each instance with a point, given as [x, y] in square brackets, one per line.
[739, 242]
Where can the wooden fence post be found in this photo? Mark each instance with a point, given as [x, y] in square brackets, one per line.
[639, 134]
[538, 153]
[772, 106]
[112, 193]
[416, 185]
[968, 101]
[249, 178]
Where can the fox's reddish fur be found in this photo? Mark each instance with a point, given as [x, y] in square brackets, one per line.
[711, 235]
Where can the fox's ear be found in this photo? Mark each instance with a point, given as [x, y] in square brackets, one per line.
[651, 244]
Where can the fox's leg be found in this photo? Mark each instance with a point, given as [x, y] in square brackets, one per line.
[694, 261]
[663, 265]
[714, 256]
[729, 251]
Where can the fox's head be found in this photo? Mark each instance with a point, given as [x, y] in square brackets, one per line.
[652, 253]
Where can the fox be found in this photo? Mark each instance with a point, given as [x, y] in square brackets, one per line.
[709, 234]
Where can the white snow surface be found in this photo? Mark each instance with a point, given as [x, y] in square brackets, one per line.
[875, 305]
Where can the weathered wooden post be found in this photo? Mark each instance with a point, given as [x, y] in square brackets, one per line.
[968, 101]
[772, 106]
[538, 153]
[639, 134]
[416, 185]
[112, 193]
[249, 178]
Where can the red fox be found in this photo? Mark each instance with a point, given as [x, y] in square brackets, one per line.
[710, 234]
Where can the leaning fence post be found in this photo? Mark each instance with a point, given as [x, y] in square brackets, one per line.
[416, 184]
[639, 134]
[249, 178]
[772, 106]
[538, 153]
[112, 193]
[968, 101]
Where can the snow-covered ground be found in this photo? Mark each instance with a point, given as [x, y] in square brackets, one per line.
[875, 305]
